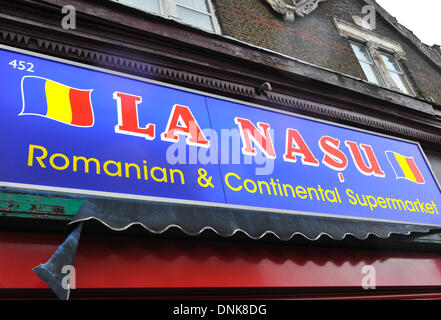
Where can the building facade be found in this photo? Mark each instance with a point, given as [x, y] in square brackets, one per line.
[345, 62]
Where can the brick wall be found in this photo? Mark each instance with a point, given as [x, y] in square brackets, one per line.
[315, 38]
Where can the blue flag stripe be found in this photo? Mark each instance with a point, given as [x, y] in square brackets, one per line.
[394, 163]
[34, 94]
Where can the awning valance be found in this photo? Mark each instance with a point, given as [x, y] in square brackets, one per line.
[157, 218]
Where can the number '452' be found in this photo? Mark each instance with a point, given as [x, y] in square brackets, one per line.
[22, 65]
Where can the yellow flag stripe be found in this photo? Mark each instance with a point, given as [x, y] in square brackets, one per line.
[58, 102]
[405, 167]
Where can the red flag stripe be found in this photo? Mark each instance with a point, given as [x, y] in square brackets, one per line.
[418, 176]
[82, 114]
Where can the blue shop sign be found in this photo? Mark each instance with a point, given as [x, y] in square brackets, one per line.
[73, 128]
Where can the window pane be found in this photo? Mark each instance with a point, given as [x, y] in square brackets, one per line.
[390, 63]
[200, 5]
[194, 18]
[396, 73]
[145, 5]
[401, 83]
[360, 52]
[371, 73]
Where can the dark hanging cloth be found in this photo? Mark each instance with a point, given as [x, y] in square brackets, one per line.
[54, 271]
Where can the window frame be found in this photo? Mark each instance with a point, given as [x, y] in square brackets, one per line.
[173, 13]
[213, 18]
[400, 73]
[371, 62]
[161, 10]
[382, 70]
[376, 45]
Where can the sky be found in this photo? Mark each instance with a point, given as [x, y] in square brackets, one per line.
[423, 17]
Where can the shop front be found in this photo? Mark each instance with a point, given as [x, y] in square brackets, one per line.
[159, 161]
[138, 152]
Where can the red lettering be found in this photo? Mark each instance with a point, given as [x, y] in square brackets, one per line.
[372, 167]
[333, 157]
[249, 132]
[128, 117]
[182, 122]
[301, 148]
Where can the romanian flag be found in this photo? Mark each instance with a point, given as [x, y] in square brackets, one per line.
[404, 167]
[53, 100]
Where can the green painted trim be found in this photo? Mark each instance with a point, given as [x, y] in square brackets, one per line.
[31, 206]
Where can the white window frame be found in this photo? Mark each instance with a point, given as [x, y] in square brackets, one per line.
[168, 9]
[375, 45]
[370, 62]
[401, 71]
[161, 10]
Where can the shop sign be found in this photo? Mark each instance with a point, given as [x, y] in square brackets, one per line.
[72, 128]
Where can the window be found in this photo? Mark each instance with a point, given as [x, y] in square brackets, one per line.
[198, 13]
[367, 64]
[381, 68]
[377, 56]
[144, 5]
[396, 73]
